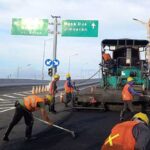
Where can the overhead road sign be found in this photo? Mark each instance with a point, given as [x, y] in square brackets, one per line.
[48, 62]
[80, 28]
[36, 27]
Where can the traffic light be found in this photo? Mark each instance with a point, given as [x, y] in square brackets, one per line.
[50, 72]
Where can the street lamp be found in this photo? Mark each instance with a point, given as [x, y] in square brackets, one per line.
[147, 25]
[83, 70]
[18, 70]
[44, 57]
[70, 61]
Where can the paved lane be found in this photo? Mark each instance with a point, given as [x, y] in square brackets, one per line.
[91, 127]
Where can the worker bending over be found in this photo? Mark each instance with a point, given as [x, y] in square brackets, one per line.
[24, 108]
[129, 135]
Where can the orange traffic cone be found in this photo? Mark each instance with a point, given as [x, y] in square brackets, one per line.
[39, 89]
[47, 88]
[36, 90]
[43, 89]
[33, 90]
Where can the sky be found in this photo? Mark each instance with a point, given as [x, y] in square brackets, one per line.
[22, 56]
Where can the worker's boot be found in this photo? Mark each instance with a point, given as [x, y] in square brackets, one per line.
[121, 116]
[5, 138]
[52, 109]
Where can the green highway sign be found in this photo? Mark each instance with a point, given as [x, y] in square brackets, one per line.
[37, 27]
[80, 28]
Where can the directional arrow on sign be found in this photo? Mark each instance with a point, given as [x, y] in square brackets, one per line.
[48, 62]
[56, 63]
[93, 25]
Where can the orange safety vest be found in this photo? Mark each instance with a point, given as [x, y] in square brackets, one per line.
[126, 95]
[121, 137]
[51, 88]
[106, 57]
[67, 88]
[30, 102]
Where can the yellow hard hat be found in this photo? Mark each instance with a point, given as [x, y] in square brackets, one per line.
[68, 75]
[49, 97]
[142, 117]
[129, 79]
[56, 76]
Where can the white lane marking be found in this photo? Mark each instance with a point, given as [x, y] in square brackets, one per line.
[2, 99]
[5, 104]
[18, 94]
[27, 92]
[5, 107]
[9, 96]
[9, 108]
[30, 93]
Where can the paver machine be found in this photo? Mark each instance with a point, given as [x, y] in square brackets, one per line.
[128, 58]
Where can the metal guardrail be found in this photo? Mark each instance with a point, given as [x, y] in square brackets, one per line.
[30, 82]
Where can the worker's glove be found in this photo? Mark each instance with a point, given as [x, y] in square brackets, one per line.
[50, 123]
[16, 103]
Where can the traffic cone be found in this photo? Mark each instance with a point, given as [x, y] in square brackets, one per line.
[36, 90]
[47, 87]
[33, 90]
[43, 89]
[39, 89]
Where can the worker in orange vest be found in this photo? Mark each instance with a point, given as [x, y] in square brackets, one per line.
[68, 89]
[53, 91]
[24, 108]
[129, 135]
[108, 63]
[106, 57]
[127, 96]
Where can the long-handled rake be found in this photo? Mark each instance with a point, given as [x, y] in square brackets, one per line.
[59, 127]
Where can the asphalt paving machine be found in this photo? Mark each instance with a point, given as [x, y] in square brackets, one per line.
[128, 58]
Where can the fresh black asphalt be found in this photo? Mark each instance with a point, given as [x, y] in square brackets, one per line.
[91, 128]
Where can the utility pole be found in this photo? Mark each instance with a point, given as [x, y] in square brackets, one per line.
[55, 32]
[147, 25]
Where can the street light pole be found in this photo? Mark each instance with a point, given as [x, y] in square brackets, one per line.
[55, 32]
[18, 70]
[70, 61]
[43, 60]
[44, 57]
[147, 25]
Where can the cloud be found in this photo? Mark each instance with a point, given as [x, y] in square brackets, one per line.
[115, 21]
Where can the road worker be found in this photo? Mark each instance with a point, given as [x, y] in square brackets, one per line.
[127, 96]
[68, 89]
[108, 63]
[106, 57]
[129, 135]
[53, 91]
[24, 108]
